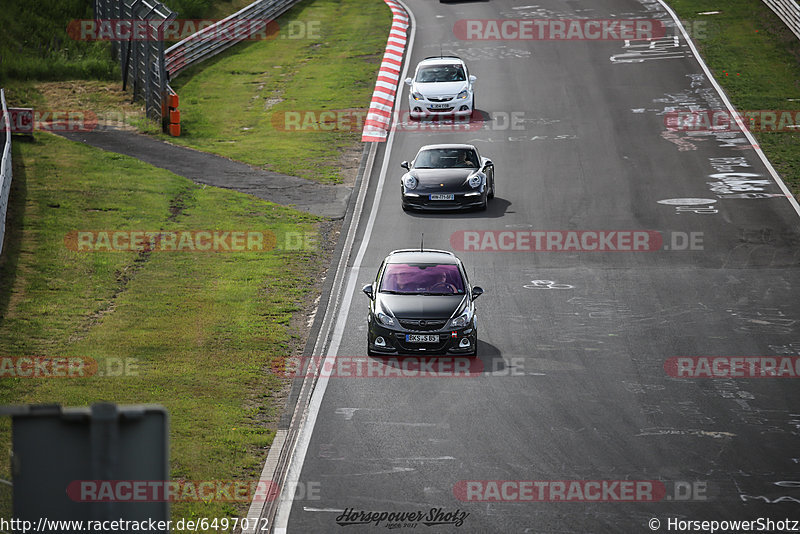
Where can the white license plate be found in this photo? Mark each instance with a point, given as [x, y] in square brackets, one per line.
[422, 338]
[442, 196]
[439, 106]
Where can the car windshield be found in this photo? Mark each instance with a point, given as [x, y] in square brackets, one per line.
[441, 73]
[446, 158]
[422, 279]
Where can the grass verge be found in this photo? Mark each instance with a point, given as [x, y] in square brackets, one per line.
[200, 328]
[756, 59]
[230, 104]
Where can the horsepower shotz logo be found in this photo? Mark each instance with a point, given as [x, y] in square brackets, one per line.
[432, 517]
[556, 240]
[557, 30]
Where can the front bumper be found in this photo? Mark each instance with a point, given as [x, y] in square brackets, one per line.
[422, 108]
[449, 340]
[421, 201]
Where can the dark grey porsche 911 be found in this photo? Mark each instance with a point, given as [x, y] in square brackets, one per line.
[421, 302]
[446, 177]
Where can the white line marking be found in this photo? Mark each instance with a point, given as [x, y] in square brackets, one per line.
[303, 440]
[745, 131]
[309, 509]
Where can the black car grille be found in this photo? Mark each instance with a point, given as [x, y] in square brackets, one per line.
[422, 325]
[405, 346]
[440, 99]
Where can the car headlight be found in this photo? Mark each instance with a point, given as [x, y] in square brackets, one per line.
[385, 319]
[476, 180]
[463, 94]
[417, 96]
[410, 181]
[462, 320]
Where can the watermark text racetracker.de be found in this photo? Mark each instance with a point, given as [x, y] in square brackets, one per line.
[169, 241]
[580, 490]
[254, 29]
[733, 367]
[66, 367]
[186, 490]
[384, 367]
[574, 241]
[354, 120]
[558, 29]
[189, 241]
[723, 120]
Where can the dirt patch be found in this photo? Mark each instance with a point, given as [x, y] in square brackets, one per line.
[349, 162]
[100, 105]
[374, 59]
[273, 101]
[125, 275]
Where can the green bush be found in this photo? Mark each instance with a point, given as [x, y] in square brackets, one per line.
[35, 45]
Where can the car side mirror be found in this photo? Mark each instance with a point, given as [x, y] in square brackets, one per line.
[477, 291]
[409, 81]
[404, 165]
[488, 163]
[367, 289]
[472, 78]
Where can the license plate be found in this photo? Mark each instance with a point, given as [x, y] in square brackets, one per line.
[442, 196]
[422, 338]
[439, 106]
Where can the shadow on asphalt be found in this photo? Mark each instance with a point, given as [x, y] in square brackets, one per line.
[489, 360]
[498, 207]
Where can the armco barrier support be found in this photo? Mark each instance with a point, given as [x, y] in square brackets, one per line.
[141, 60]
[5, 166]
[149, 67]
[174, 114]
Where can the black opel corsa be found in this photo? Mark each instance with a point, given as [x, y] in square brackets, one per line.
[421, 303]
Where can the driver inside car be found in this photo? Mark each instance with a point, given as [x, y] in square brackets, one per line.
[441, 285]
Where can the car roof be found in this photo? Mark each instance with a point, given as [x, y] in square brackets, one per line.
[447, 145]
[441, 60]
[422, 256]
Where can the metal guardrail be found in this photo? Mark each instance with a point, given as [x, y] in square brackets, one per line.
[149, 67]
[207, 42]
[5, 166]
[141, 60]
[788, 11]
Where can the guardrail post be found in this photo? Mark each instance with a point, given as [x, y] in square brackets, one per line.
[141, 57]
[5, 165]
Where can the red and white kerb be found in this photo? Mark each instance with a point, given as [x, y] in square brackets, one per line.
[379, 116]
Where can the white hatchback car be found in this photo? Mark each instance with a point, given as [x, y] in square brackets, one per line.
[441, 86]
